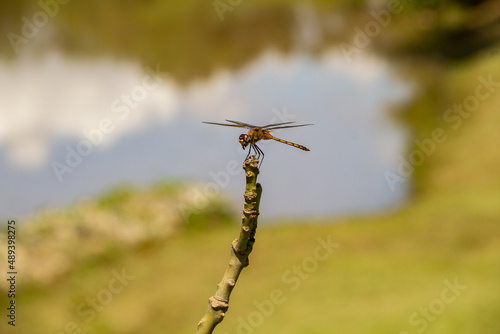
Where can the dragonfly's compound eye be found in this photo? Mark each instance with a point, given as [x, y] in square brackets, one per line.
[243, 140]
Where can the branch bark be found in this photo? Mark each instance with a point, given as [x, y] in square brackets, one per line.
[241, 248]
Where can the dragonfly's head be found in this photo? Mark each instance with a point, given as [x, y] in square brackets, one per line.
[243, 140]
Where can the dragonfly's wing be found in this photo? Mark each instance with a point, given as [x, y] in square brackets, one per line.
[243, 125]
[286, 127]
[234, 125]
[269, 127]
[272, 125]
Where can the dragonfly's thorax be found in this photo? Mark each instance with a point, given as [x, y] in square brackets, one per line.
[256, 134]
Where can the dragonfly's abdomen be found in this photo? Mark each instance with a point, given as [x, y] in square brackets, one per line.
[289, 143]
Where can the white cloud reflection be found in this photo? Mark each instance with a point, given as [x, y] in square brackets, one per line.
[52, 97]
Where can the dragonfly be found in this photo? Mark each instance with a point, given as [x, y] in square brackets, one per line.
[257, 133]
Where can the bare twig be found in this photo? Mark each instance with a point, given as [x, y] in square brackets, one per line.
[240, 250]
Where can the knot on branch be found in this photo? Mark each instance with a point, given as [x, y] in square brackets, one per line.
[217, 304]
[250, 196]
[251, 213]
[241, 254]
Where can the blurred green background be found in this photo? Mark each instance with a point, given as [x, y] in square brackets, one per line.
[130, 261]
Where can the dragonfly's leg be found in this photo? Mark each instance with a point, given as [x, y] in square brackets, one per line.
[252, 147]
[260, 153]
[249, 152]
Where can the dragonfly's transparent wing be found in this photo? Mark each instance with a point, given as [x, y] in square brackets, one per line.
[286, 127]
[244, 125]
[233, 125]
[270, 127]
[276, 124]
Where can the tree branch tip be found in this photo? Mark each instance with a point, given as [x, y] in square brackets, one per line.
[251, 162]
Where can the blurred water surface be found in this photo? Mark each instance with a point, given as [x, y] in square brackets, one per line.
[76, 121]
